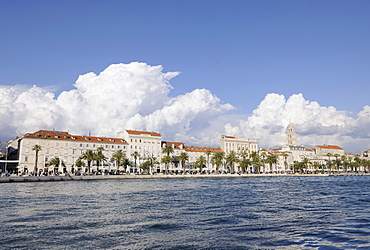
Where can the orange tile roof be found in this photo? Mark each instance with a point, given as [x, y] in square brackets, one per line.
[65, 136]
[177, 145]
[228, 136]
[135, 132]
[202, 149]
[329, 147]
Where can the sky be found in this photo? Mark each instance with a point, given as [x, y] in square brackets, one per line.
[191, 70]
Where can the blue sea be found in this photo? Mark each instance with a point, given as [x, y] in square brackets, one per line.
[195, 213]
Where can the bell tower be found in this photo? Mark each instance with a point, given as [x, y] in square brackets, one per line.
[291, 135]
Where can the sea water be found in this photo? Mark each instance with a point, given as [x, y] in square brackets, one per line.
[194, 213]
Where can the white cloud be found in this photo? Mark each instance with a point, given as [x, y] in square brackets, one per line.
[123, 96]
[313, 123]
[136, 96]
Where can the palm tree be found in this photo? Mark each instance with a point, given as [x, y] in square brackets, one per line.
[344, 161]
[329, 162]
[305, 162]
[36, 148]
[117, 157]
[152, 161]
[256, 161]
[271, 159]
[285, 155]
[208, 152]
[167, 150]
[231, 159]
[99, 157]
[217, 160]
[200, 163]
[183, 158]
[166, 160]
[126, 162]
[89, 156]
[79, 163]
[135, 154]
[263, 157]
[245, 163]
[56, 162]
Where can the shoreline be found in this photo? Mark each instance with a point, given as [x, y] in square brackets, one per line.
[11, 179]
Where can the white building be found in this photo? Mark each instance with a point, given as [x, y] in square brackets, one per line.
[238, 144]
[62, 145]
[145, 143]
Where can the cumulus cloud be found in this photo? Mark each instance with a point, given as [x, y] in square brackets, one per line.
[313, 123]
[137, 96]
[123, 96]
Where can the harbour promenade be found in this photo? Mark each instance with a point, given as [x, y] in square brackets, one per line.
[156, 176]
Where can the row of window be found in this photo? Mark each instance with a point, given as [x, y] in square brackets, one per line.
[145, 141]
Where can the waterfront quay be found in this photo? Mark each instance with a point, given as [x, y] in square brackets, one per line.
[157, 176]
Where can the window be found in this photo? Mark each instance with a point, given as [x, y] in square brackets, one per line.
[56, 144]
[93, 145]
[66, 144]
[65, 151]
[27, 150]
[112, 146]
[26, 158]
[81, 145]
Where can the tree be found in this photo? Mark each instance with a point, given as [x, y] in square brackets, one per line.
[167, 150]
[263, 157]
[89, 156]
[126, 162]
[79, 163]
[36, 148]
[285, 155]
[305, 162]
[208, 152]
[99, 157]
[244, 164]
[256, 161]
[56, 162]
[271, 159]
[231, 159]
[152, 161]
[200, 163]
[135, 154]
[117, 157]
[166, 160]
[183, 158]
[217, 160]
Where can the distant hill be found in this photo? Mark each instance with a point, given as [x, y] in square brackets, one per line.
[3, 146]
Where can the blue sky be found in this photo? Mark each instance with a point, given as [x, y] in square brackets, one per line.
[239, 50]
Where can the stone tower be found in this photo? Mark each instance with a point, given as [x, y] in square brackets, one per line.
[291, 135]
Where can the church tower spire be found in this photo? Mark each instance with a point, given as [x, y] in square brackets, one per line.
[291, 135]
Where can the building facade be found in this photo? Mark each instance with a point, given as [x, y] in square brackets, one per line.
[238, 144]
[62, 145]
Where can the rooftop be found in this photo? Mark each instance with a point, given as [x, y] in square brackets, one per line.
[65, 136]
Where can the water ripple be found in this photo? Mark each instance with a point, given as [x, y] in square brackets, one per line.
[219, 213]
